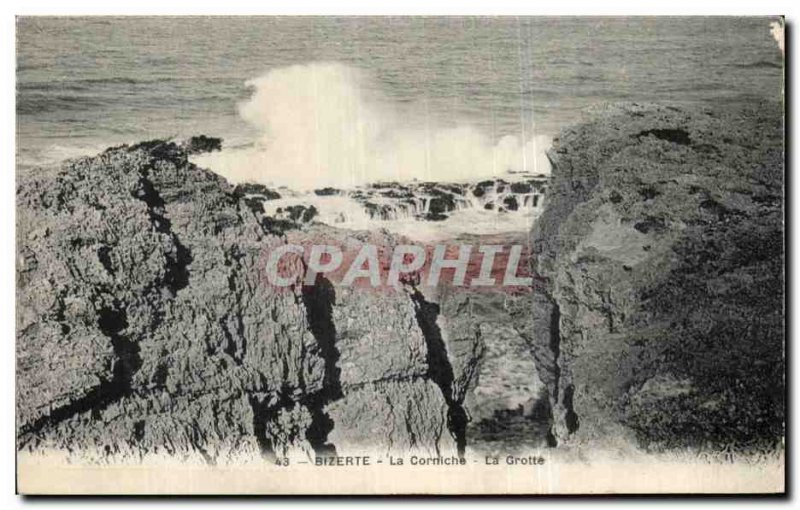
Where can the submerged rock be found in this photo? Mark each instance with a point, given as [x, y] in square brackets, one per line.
[325, 192]
[257, 191]
[201, 144]
[659, 304]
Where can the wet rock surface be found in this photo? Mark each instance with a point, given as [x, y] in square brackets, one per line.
[432, 201]
[420, 201]
[658, 307]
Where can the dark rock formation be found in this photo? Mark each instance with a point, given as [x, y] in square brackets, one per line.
[259, 190]
[659, 304]
[431, 201]
[511, 203]
[146, 326]
[202, 143]
[390, 201]
[326, 192]
[297, 213]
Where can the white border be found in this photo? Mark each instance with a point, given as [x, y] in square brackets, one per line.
[343, 7]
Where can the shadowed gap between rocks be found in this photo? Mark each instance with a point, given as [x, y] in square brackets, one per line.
[570, 417]
[176, 275]
[319, 300]
[440, 369]
[555, 346]
[566, 396]
[262, 412]
[545, 343]
[677, 136]
[235, 338]
[111, 322]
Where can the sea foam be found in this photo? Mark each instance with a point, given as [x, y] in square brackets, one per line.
[328, 124]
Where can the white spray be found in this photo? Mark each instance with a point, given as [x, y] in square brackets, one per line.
[326, 124]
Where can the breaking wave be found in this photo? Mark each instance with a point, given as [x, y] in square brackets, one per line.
[328, 124]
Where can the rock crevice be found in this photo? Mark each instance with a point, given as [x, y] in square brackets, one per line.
[146, 327]
[440, 369]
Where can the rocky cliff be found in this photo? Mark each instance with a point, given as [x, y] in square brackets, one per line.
[658, 311]
[145, 326]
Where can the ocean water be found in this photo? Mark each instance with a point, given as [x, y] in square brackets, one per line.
[307, 102]
[86, 83]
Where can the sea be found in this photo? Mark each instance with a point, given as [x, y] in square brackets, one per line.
[343, 102]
